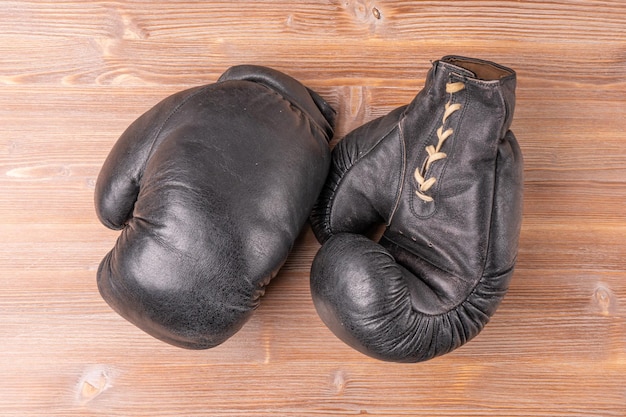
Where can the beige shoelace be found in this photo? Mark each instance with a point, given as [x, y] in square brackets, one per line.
[434, 153]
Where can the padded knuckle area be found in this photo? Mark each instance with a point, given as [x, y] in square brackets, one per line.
[220, 180]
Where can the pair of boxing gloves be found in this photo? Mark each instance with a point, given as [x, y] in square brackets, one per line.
[212, 186]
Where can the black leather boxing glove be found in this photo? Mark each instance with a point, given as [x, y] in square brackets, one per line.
[444, 174]
[211, 188]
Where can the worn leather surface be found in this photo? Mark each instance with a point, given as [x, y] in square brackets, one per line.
[210, 189]
[445, 259]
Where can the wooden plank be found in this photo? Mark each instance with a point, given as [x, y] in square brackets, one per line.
[85, 61]
[580, 21]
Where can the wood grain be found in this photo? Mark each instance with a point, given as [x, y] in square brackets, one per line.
[75, 73]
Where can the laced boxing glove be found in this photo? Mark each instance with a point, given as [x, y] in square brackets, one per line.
[211, 188]
[444, 174]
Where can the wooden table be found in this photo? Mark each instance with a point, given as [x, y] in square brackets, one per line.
[74, 74]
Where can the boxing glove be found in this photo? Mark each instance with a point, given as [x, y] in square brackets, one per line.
[210, 187]
[443, 174]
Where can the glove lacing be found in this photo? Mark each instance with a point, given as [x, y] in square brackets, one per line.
[434, 153]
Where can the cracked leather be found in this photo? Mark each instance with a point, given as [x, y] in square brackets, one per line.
[441, 268]
[210, 188]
